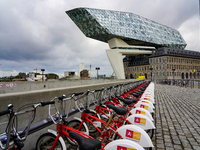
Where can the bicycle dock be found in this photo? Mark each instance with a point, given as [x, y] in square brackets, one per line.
[176, 116]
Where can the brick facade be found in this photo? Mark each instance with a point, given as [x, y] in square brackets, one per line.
[186, 67]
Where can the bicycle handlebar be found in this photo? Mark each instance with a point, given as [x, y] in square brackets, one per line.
[46, 103]
[4, 112]
[77, 94]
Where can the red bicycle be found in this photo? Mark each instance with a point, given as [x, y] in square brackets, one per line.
[53, 140]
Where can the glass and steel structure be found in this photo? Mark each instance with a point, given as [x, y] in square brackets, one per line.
[104, 25]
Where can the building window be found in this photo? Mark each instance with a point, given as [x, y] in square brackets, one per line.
[163, 66]
[160, 60]
[160, 67]
[166, 59]
[156, 60]
[163, 74]
[160, 74]
[163, 59]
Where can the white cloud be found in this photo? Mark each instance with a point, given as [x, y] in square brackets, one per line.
[39, 34]
[190, 32]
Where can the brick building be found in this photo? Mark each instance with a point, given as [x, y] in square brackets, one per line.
[186, 64]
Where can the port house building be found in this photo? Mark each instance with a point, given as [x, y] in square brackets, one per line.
[138, 46]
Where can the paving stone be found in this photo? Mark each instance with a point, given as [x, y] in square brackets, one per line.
[177, 118]
[169, 148]
[159, 141]
[160, 146]
[196, 147]
[178, 147]
[168, 145]
[177, 141]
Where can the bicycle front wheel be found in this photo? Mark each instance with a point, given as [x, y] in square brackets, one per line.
[75, 124]
[46, 141]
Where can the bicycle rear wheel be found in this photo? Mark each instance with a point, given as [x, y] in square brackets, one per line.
[46, 140]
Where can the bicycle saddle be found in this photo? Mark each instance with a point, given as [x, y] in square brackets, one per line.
[85, 143]
[118, 110]
[135, 94]
[127, 101]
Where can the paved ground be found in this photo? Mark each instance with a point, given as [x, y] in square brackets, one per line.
[177, 118]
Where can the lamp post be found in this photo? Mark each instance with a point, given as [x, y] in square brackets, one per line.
[42, 73]
[0, 70]
[173, 74]
[151, 72]
[153, 65]
[97, 68]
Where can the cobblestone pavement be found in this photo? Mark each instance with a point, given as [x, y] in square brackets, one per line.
[177, 118]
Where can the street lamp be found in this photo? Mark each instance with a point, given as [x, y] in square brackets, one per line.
[173, 74]
[42, 73]
[97, 68]
[151, 72]
[0, 70]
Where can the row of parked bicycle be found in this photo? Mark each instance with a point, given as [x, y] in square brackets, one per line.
[122, 120]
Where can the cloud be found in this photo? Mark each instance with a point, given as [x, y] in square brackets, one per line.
[39, 34]
[190, 30]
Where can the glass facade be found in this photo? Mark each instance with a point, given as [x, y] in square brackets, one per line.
[104, 25]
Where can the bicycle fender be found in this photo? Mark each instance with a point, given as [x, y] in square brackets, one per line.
[145, 106]
[95, 112]
[79, 119]
[146, 101]
[97, 123]
[136, 134]
[141, 121]
[123, 144]
[60, 138]
[142, 111]
[109, 114]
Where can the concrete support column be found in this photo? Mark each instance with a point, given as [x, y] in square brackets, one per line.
[115, 58]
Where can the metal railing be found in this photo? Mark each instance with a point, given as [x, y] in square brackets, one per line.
[180, 82]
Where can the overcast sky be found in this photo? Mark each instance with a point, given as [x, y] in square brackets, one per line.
[39, 34]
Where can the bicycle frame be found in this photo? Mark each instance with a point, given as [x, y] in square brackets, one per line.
[19, 138]
[60, 128]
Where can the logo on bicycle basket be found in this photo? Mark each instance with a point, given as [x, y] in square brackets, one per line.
[147, 99]
[143, 106]
[133, 135]
[124, 148]
[141, 121]
[140, 112]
